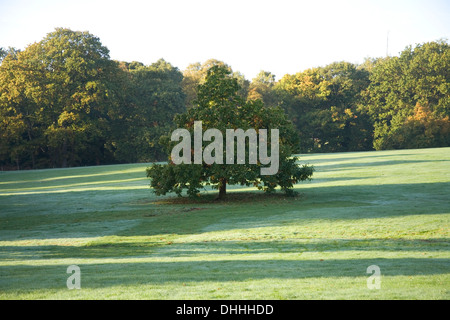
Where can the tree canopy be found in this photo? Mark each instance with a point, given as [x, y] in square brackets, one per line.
[65, 102]
[400, 86]
[219, 106]
[58, 93]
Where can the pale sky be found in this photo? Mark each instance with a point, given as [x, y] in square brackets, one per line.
[279, 36]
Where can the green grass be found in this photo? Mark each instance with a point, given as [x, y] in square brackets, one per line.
[390, 209]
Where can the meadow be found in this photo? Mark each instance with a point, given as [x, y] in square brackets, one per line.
[385, 208]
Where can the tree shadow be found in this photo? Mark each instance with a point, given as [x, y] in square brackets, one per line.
[103, 275]
[186, 216]
[125, 250]
[362, 155]
[353, 165]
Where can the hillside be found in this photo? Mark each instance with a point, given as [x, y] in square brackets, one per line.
[384, 208]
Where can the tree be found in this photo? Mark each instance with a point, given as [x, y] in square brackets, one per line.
[64, 102]
[262, 88]
[195, 74]
[63, 91]
[420, 75]
[325, 105]
[154, 97]
[9, 51]
[58, 98]
[422, 130]
[81, 95]
[219, 106]
[22, 80]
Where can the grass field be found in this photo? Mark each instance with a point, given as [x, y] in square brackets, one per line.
[390, 209]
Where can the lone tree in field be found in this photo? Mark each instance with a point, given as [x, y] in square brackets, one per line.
[219, 106]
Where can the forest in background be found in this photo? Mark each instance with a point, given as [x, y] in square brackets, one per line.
[64, 102]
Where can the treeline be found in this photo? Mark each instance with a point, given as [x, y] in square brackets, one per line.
[64, 102]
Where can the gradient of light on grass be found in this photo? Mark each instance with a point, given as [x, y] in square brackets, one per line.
[387, 208]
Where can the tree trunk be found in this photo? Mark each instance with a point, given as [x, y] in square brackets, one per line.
[32, 159]
[222, 188]
[64, 154]
[32, 150]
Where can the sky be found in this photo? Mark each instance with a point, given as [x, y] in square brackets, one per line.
[280, 36]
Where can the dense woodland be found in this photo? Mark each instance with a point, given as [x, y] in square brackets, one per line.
[65, 102]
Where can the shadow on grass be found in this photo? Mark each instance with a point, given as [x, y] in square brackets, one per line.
[353, 165]
[102, 275]
[175, 215]
[245, 246]
[359, 155]
[362, 194]
[233, 196]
